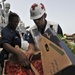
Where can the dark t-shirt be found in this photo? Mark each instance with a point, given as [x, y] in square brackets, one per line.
[9, 36]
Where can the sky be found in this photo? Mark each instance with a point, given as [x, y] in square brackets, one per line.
[59, 11]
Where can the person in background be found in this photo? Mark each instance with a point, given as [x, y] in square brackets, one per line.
[10, 38]
[6, 11]
[1, 14]
[38, 15]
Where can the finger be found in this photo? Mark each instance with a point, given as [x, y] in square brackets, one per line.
[27, 63]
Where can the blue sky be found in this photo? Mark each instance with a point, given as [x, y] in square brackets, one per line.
[59, 11]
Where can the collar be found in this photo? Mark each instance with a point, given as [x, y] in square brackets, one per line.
[9, 27]
[42, 29]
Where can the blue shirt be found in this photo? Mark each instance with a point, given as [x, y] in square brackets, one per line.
[10, 36]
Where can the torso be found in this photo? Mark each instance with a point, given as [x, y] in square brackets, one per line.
[36, 34]
[12, 37]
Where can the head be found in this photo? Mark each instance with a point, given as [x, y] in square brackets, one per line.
[13, 20]
[38, 14]
[7, 7]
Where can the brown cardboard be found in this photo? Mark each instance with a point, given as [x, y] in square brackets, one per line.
[55, 59]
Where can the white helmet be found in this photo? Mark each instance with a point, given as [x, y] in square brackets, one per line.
[37, 10]
[7, 5]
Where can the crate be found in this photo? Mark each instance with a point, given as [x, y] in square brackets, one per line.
[35, 66]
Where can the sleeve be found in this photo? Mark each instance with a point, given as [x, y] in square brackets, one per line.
[6, 38]
[28, 37]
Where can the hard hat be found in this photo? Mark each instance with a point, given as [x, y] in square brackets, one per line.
[37, 10]
[7, 5]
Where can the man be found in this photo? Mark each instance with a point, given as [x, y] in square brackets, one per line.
[10, 38]
[38, 15]
[1, 16]
[6, 11]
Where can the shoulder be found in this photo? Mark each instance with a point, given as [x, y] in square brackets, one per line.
[11, 12]
[33, 27]
[5, 29]
[52, 23]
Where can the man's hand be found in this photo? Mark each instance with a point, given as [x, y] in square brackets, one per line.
[22, 57]
[23, 60]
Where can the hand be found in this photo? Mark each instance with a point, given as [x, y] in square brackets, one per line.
[29, 53]
[23, 60]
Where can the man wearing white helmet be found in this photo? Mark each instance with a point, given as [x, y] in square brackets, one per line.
[38, 15]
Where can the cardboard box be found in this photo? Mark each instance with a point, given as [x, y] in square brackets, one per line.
[57, 58]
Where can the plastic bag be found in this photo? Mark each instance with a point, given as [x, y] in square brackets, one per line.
[24, 44]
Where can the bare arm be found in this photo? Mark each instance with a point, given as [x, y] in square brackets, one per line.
[23, 60]
[30, 50]
[10, 49]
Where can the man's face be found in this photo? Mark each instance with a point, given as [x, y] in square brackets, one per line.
[40, 22]
[7, 9]
[14, 22]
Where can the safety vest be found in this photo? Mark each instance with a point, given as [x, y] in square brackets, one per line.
[36, 34]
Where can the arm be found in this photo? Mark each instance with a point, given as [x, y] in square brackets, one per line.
[23, 60]
[30, 50]
[7, 44]
[30, 40]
